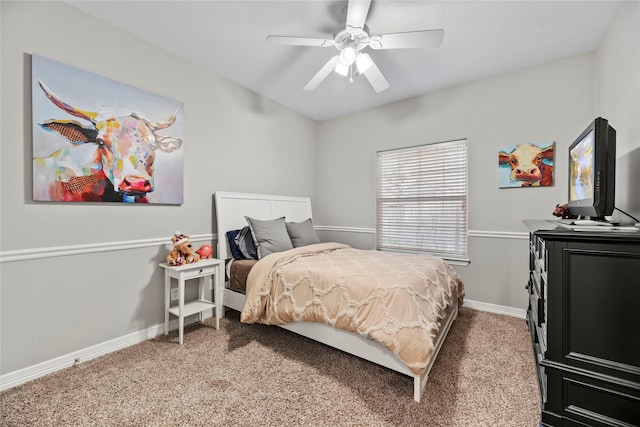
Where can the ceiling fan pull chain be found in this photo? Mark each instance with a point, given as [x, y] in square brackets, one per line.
[351, 73]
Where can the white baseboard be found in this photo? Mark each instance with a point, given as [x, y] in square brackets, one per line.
[21, 376]
[494, 308]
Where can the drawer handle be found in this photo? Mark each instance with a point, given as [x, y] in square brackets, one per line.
[201, 270]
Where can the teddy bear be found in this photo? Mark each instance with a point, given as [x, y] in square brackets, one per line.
[182, 252]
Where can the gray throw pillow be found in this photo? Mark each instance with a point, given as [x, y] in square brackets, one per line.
[302, 233]
[269, 236]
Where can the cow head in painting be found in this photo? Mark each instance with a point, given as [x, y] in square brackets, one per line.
[528, 167]
[112, 157]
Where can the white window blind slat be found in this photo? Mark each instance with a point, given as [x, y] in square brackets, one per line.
[422, 199]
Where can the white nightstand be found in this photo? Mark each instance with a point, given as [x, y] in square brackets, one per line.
[198, 270]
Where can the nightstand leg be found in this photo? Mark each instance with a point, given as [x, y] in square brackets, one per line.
[201, 283]
[217, 292]
[167, 302]
[180, 309]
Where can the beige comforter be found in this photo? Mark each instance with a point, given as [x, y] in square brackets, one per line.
[397, 300]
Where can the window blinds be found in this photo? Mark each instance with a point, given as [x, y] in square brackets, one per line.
[422, 199]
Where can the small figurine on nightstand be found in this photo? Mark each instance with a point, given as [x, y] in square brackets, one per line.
[182, 252]
[205, 251]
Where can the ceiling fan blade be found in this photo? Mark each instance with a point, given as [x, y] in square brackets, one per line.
[323, 73]
[300, 41]
[375, 77]
[357, 11]
[408, 40]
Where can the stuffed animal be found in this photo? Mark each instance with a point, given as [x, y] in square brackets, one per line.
[562, 211]
[182, 252]
[205, 251]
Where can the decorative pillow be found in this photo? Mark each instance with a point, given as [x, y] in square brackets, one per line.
[302, 233]
[269, 236]
[233, 246]
[245, 243]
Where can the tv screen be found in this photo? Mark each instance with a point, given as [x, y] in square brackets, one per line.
[592, 168]
[581, 168]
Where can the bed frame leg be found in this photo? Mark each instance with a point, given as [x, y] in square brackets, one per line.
[419, 382]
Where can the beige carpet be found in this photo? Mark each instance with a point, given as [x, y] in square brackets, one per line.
[256, 375]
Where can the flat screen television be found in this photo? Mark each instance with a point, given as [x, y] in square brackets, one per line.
[592, 171]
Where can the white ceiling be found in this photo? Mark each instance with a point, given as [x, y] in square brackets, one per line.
[482, 39]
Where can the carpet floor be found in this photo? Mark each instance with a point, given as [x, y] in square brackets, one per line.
[257, 375]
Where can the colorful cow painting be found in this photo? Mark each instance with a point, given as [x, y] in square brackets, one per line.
[105, 154]
[526, 165]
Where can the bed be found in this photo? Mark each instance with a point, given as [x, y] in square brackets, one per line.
[231, 210]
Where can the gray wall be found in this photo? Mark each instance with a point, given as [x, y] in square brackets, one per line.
[552, 102]
[53, 306]
[618, 99]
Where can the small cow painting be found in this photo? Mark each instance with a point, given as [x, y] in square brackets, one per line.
[526, 165]
[97, 140]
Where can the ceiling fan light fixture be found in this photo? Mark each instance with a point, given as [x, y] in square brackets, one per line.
[342, 69]
[348, 55]
[363, 62]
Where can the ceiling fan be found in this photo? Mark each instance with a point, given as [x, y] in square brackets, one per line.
[350, 42]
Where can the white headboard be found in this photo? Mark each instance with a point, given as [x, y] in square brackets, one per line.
[231, 208]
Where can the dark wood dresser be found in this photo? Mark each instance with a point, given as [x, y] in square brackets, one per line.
[584, 319]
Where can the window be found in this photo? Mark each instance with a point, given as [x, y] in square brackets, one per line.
[422, 200]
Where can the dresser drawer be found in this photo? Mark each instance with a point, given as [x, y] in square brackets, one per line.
[601, 403]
